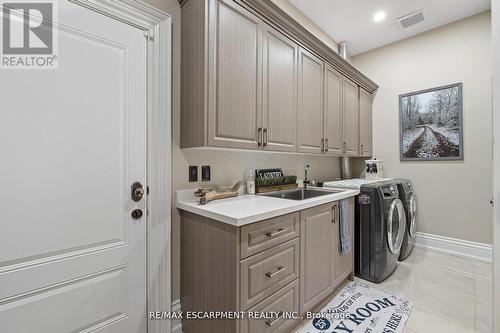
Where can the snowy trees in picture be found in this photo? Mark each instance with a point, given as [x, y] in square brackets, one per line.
[431, 124]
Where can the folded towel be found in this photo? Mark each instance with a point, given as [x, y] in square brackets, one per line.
[345, 230]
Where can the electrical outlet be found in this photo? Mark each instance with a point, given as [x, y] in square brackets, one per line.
[205, 173]
[193, 173]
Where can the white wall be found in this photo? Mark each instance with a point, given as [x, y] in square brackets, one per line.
[496, 133]
[453, 196]
[306, 22]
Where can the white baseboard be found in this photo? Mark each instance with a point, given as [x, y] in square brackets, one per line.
[477, 251]
[176, 323]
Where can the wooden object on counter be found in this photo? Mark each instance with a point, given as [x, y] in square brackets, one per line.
[265, 185]
[210, 195]
[268, 189]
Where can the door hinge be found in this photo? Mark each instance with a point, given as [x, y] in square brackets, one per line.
[149, 34]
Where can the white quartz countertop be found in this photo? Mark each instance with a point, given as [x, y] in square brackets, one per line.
[247, 208]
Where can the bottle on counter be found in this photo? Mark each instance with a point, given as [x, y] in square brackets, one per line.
[251, 182]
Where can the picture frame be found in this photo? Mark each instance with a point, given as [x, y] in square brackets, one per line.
[431, 124]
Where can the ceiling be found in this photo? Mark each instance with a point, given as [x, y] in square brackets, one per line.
[352, 20]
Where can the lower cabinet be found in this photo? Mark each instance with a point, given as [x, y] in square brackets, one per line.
[343, 264]
[317, 257]
[323, 266]
[286, 264]
[285, 300]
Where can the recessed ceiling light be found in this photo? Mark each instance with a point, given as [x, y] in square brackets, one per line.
[379, 16]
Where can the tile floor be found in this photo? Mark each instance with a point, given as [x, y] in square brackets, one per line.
[449, 293]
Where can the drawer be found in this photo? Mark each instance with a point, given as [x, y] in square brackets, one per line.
[260, 236]
[284, 300]
[266, 272]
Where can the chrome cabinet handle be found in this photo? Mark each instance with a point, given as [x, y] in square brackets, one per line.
[322, 145]
[275, 233]
[326, 144]
[334, 217]
[259, 136]
[274, 321]
[279, 270]
[265, 137]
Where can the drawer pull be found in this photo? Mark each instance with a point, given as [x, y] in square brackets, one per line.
[274, 321]
[275, 233]
[279, 270]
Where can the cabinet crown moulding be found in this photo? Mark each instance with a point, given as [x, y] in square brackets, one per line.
[275, 16]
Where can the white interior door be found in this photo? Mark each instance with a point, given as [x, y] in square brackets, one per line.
[72, 141]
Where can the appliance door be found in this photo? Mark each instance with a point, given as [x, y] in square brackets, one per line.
[412, 211]
[396, 225]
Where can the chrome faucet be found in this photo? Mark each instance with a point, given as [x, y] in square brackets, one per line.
[306, 181]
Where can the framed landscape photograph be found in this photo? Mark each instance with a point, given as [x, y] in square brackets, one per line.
[431, 127]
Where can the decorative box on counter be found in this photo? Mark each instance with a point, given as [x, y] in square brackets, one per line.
[270, 180]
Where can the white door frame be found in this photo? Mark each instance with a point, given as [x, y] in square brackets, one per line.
[495, 10]
[157, 27]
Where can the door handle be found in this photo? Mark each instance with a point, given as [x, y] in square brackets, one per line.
[322, 145]
[259, 136]
[137, 214]
[137, 191]
[326, 144]
[334, 217]
[264, 142]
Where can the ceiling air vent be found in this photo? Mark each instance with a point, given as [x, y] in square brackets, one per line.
[411, 19]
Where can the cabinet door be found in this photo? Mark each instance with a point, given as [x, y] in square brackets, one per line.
[333, 111]
[280, 91]
[234, 79]
[365, 123]
[351, 118]
[310, 114]
[316, 255]
[343, 264]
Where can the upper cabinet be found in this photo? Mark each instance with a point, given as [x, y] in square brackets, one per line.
[310, 126]
[334, 120]
[279, 86]
[253, 79]
[365, 123]
[234, 99]
[351, 117]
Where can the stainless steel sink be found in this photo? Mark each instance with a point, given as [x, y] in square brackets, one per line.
[300, 194]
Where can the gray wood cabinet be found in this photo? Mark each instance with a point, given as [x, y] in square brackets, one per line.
[350, 97]
[234, 108]
[280, 91]
[287, 263]
[333, 122]
[343, 264]
[310, 114]
[246, 83]
[316, 256]
[365, 123]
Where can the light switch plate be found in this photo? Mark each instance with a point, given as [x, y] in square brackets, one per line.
[193, 173]
[205, 173]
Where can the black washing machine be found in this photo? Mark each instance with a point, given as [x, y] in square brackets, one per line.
[409, 199]
[379, 231]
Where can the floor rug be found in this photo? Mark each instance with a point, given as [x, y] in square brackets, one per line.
[360, 309]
